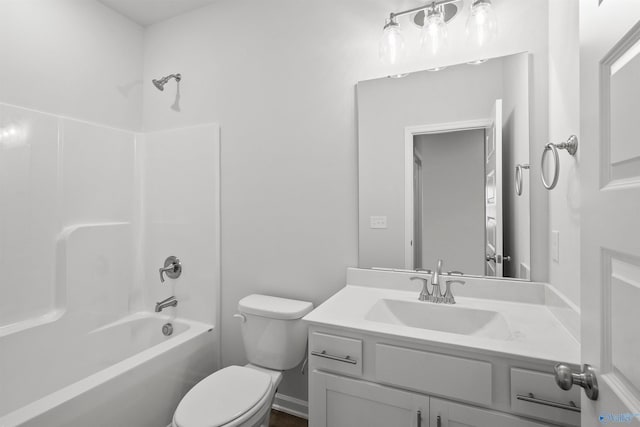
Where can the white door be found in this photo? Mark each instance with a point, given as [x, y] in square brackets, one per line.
[417, 211]
[609, 155]
[344, 402]
[450, 414]
[493, 193]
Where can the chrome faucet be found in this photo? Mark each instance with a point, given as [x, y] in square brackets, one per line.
[169, 302]
[425, 295]
[436, 294]
[172, 268]
[448, 295]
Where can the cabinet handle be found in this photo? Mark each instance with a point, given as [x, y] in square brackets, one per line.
[438, 421]
[531, 398]
[323, 353]
[419, 418]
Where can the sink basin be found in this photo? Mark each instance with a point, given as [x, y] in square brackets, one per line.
[452, 319]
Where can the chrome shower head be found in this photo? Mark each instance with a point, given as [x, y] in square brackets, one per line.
[159, 83]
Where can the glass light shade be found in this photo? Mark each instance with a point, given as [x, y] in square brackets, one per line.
[482, 26]
[434, 31]
[391, 48]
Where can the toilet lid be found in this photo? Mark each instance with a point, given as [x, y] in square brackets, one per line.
[222, 397]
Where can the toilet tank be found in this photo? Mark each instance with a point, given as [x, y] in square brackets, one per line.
[273, 332]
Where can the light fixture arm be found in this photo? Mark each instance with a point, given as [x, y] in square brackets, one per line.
[431, 5]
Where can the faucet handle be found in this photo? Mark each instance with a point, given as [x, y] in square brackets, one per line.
[448, 295]
[172, 268]
[455, 273]
[425, 295]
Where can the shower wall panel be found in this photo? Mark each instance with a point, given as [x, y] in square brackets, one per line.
[66, 191]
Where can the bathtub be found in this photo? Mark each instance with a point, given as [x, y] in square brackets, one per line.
[73, 372]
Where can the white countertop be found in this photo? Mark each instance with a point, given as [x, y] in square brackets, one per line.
[535, 333]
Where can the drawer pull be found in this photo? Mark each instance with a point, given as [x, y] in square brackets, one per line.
[531, 398]
[323, 353]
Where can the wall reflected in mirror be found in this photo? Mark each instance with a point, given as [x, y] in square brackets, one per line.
[437, 158]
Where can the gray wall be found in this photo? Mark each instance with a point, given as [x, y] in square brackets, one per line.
[282, 89]
[453, 199]
[515, 147]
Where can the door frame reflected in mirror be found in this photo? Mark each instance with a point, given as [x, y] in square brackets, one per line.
[409, 133]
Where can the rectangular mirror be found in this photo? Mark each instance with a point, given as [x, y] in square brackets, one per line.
[443, 159]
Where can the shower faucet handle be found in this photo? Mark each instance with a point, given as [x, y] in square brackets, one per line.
[172, 268]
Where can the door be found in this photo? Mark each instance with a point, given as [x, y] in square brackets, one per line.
[450, 414]
[493, 193]
[339, 402]
[609, 154]
[417, 210]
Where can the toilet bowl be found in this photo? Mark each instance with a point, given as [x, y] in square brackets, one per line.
[275, 340]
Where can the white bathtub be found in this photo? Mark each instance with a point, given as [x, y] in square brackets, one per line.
[125, 374]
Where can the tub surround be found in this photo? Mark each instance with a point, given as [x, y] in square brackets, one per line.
[102, 225]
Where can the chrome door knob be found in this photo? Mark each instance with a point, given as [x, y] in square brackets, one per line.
[499, 259]
[566, 378]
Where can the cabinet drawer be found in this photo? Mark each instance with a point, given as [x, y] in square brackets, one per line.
[335, 353]
[533, 394]
[462, 379]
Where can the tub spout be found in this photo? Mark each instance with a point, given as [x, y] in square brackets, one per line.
[169, 302]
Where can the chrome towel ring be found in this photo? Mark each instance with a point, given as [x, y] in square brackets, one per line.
[571, 145]
[519, 168]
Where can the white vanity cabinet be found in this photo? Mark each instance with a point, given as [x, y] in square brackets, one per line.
[361, 379]
[342, 401]
[451, 414]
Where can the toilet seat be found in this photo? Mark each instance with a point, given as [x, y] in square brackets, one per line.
[228, 397]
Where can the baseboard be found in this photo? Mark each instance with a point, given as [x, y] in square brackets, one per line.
[291, 406]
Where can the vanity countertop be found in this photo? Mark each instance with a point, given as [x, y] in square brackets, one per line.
[533, 332]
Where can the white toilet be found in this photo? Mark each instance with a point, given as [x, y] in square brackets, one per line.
[275, 340]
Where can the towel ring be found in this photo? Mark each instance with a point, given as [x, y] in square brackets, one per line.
[519, 169]
[571, 145]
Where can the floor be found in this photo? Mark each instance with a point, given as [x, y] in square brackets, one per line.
[281, 419]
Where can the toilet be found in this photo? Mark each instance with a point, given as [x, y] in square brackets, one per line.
[275, 340]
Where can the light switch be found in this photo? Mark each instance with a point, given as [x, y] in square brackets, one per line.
[377, 222]
[555, 245]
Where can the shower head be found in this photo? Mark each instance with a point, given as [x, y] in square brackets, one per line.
[159, 83]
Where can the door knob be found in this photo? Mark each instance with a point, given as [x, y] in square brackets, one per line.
[498, 258]
[566, 378]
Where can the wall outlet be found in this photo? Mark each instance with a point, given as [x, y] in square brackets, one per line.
[555, 245]
[377, 222]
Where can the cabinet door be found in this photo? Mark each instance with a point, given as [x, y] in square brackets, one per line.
[336, 401]
[449, 414]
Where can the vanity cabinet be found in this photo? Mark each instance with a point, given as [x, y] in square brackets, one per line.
[341, 401]
[359, 379]
[451, 414]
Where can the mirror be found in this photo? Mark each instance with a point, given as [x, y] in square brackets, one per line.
[443, 162]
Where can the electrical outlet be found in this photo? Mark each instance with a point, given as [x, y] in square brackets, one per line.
[555, 245]
[377, 222]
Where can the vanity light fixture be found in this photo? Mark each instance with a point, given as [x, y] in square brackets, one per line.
[482, 27]
[391, 47]
[434, 30]
[432, 18]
